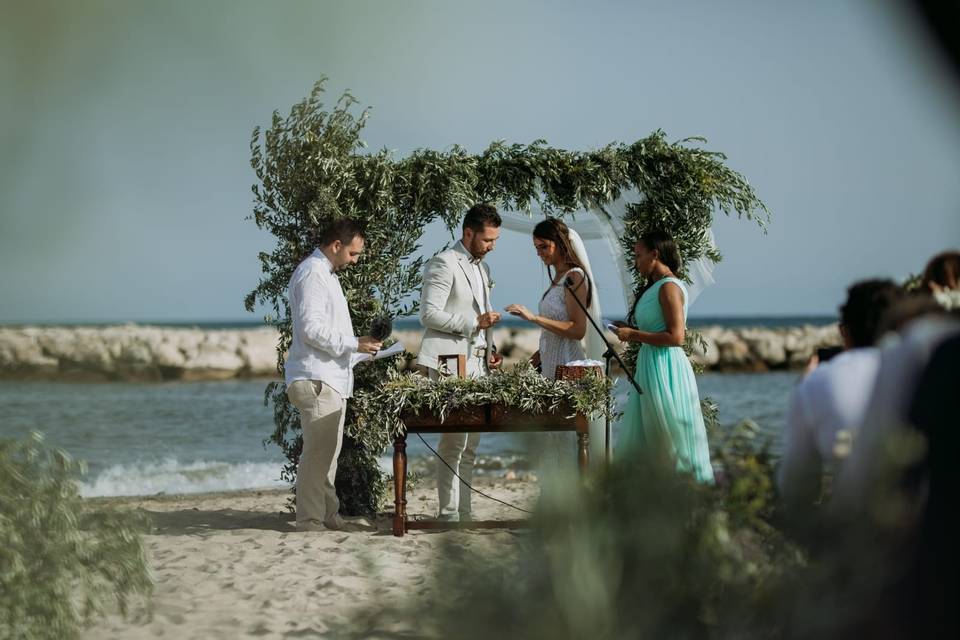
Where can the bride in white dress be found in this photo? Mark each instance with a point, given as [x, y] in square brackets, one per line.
[563, 322]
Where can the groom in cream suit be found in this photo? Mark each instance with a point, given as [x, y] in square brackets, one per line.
[455, 310]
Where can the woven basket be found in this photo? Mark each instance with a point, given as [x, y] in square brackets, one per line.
[565, 372]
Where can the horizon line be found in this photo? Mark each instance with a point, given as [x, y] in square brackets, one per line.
[261, 321]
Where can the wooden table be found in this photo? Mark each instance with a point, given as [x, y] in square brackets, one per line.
[485, 419]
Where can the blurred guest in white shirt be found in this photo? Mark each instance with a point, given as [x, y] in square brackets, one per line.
[916, 327]
[829, 403]
[319, 374]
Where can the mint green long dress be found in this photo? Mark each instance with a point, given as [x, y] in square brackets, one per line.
[669, 411]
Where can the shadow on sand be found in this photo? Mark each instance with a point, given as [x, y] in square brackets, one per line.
[194, 521]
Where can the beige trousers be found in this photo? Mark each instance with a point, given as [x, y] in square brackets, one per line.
[322, 411]
[459, 450]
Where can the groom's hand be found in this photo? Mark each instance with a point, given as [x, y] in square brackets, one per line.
[487, 320]
[495, 360]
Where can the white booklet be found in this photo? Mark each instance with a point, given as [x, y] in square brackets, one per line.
[394, 349]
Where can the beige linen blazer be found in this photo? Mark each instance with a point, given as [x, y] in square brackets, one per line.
[449, 308]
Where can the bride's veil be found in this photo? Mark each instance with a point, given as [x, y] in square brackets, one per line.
[593, 345]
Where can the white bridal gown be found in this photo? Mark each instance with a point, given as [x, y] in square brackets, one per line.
[559, 451]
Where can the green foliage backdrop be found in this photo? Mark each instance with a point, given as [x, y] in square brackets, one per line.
[312, 167]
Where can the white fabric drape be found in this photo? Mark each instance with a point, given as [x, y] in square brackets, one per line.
[605, 222]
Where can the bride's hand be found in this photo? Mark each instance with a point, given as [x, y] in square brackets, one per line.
[520, 310]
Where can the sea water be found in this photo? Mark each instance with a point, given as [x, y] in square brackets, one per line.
[186, 437]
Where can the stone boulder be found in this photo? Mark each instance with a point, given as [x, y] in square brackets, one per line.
[706, 354]
[521, 344]
[22, 357]
[258, 350]
[733, 352]
[766, 347]
[214, 360]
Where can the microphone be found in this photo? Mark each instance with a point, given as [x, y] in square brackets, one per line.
[611, 352]
[381, 327]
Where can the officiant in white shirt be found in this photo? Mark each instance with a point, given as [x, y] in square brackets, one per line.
[456, 313]
[319, 373]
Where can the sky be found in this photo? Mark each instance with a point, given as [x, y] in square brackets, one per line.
[125, 177]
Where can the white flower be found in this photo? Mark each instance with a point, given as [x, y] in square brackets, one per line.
[949, 299]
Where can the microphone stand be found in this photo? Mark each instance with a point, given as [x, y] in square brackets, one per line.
[609, 354]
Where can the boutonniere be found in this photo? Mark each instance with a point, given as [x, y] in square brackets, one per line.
[491, 284]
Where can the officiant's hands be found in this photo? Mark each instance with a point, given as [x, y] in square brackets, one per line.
[368, 344]
[487, 320]
[520, 311]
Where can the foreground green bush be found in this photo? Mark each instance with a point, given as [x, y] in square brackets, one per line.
[639, 552]
[642, 552]
[61, 564]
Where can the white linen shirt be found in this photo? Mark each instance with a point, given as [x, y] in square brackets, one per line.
[832, 399]
[479, 292]
[323, 340]
[903, 359]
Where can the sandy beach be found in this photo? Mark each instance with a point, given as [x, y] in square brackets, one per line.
[228, 565]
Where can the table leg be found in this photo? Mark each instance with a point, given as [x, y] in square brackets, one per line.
[583, 452]
[400, 484]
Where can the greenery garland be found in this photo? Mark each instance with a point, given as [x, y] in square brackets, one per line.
[520, 387]
[312, 168]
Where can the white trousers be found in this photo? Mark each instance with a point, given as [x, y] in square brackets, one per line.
[459, 450]
[322, 411]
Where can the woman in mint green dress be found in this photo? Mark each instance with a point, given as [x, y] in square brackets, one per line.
[668, 412]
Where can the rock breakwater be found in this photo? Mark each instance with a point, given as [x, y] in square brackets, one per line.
[135, 353]
[141, 353]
